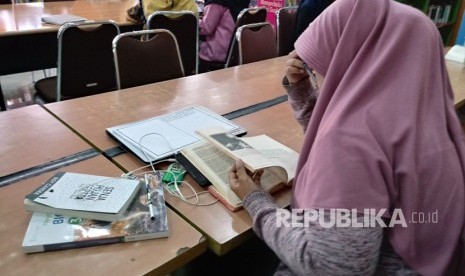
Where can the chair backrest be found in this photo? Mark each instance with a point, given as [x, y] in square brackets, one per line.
[256, 42]
[246, 16]
[85, 61]
[285, 29]
[155, 57]
[185, 27]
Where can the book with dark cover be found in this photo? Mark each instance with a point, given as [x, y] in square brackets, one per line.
[192, 170]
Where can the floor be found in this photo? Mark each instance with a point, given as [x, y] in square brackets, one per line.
[18, 89]
[253, 257]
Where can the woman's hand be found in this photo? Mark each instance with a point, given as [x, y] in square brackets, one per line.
[295, 70]
[240, 181]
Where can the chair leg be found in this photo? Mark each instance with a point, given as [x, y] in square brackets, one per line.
[2, 100]
[33, 78]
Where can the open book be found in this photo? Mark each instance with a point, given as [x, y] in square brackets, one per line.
[214, 157]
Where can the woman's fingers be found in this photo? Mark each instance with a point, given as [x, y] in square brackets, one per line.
[257, 176]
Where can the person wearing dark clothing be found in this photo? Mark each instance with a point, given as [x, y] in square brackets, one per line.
[307, 11]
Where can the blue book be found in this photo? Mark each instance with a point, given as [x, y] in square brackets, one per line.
[461, 35]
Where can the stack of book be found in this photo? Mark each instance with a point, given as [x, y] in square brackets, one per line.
[73, 210]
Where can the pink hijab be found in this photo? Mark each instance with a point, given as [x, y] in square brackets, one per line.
[384, 133]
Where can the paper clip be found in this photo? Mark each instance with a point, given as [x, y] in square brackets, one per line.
[149, 197]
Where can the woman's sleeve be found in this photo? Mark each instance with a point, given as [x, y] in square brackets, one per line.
[302, 99]
[211, 18]
[313, 249]
[151, 6]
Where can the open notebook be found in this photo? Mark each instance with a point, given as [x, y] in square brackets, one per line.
[159, 137]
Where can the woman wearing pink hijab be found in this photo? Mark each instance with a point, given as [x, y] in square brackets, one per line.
[382, 141]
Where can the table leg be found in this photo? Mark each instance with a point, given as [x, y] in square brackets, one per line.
[2, 100]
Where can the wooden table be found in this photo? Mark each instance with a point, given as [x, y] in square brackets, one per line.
[25, 18]
[32, 137]
[222, 91]
[225, 229]
[27, 44]
[277, 122]
[156, 256]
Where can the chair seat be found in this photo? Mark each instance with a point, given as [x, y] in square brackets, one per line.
[47, 89]
[207, 66]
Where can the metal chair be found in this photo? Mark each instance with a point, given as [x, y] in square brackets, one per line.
[256, 42]
[147, 60]
[85, 62]
[246, 16]
[185, 27]
[285, 29]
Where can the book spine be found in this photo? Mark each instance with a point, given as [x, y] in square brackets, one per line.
[44, 187]
[146, 236]
[80, 244]
[223, 200]
[37, 207]
[461, 35]
[433, 9]
[437, 18]
[445, 18]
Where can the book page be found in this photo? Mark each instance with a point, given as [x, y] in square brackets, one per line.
[258, 152]
[239, 148]
[279, 154]
[212, 162]
[215, 164]
[236, 148]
